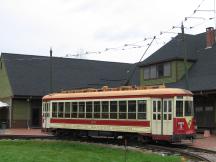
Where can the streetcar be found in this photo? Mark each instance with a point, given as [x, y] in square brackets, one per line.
[157, 113]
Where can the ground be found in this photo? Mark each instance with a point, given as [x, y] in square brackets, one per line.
[66, 151]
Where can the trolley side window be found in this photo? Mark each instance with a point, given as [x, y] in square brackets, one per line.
[132, 109]
[141, 109]
[89, 109]
[60, 109]
[67, 110]
[122, 109]
[54, 109]
[81, 109]
[105, 109]
[113, 109]
[74, 110]
[188, 108]
[96, 109]
[179, 108]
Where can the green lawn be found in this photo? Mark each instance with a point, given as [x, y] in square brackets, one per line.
[64, 151]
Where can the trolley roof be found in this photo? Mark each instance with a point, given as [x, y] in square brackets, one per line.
[122, 93]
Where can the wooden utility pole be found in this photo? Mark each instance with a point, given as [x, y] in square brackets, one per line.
[185, 57]
[51, 72]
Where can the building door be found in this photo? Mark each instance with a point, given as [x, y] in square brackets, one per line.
[4, 117]
[35, 117]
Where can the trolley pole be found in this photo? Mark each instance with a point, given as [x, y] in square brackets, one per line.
[51, 72]
[185, 56]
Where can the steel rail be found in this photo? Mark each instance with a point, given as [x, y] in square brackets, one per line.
[183, 151]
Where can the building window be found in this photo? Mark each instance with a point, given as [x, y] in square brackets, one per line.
[167, 69]
[153, 72]
[146, 73]
[160, 70]
[157, 71]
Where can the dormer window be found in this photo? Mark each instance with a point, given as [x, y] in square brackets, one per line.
[157, 71]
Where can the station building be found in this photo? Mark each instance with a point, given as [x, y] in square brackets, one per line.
[189, 62]
[25, 79]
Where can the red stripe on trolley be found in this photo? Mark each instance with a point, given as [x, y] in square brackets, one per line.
[102, 122]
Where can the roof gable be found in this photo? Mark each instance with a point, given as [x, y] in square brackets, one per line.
[174, 49]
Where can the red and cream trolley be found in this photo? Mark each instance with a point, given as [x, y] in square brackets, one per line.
[157, 113]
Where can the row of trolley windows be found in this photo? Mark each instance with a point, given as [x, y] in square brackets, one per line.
[184, 108]
[133, 109]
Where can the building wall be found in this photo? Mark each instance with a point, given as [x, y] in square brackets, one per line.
[5, 88]
[177, 72]
[180, 69]
[205, 111]
[5, 115]
[26, 113]
[21, 113]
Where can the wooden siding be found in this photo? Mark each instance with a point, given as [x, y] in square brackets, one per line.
[5, 88]
[177, 72]
[21, 113]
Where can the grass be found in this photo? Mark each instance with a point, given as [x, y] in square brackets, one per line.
[64, 151]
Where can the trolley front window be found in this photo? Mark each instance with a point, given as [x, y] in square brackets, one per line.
[179, 108]
[188, 108]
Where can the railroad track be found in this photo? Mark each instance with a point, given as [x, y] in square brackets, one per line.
[12, 137]
[192, 152]
[197, 154]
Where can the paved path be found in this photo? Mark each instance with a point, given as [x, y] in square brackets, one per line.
[201, 141]
[205, 142]
[36, 132]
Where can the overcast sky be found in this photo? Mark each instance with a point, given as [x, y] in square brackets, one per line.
[99, 27]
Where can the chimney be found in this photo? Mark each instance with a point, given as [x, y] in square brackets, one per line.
[210, 37]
